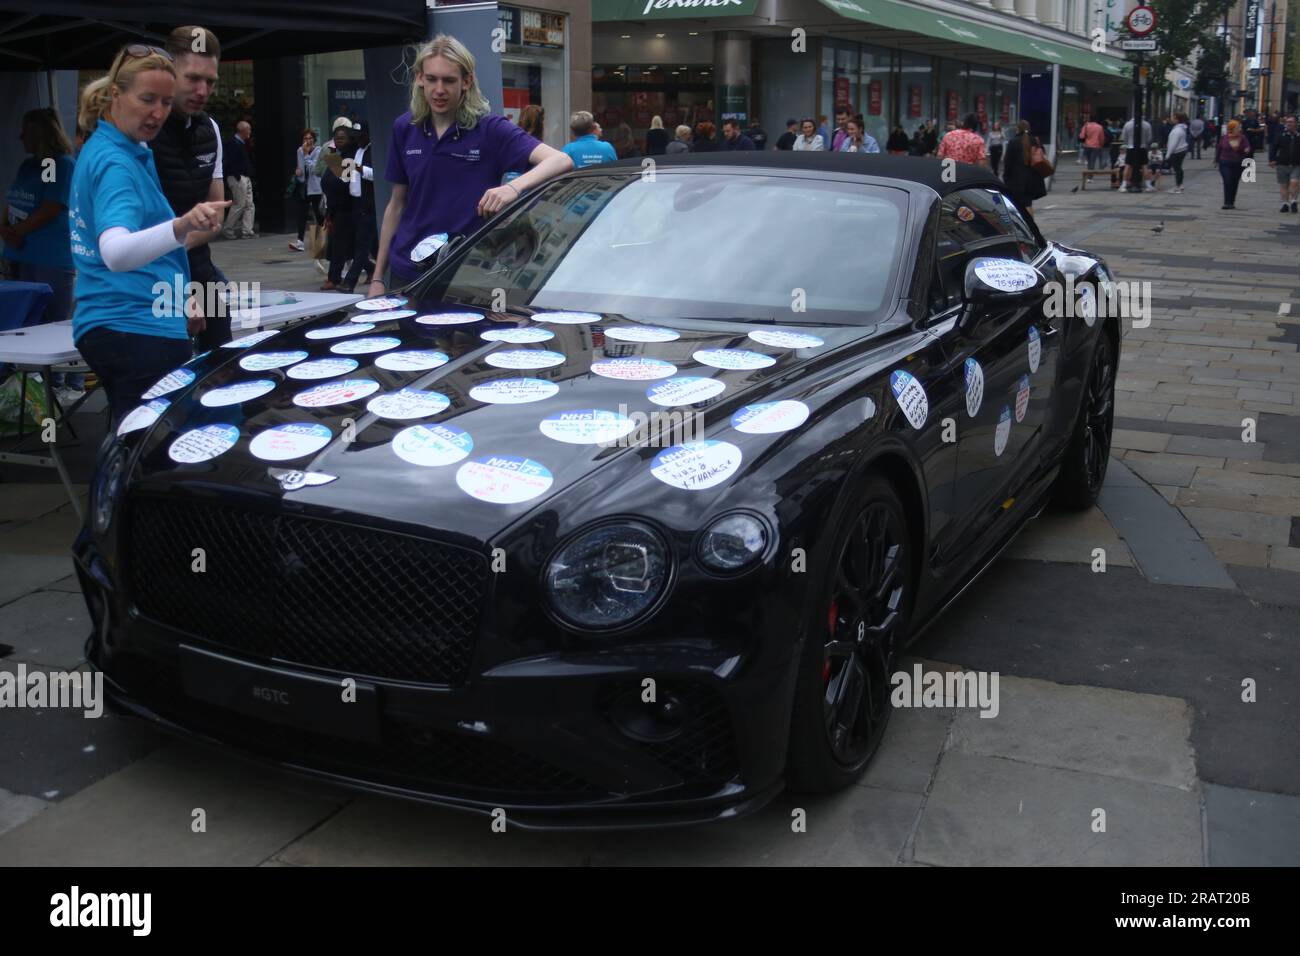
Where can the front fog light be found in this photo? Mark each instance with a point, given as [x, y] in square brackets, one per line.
[732, 543]
[609, 576]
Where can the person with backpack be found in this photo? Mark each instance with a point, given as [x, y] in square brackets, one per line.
[1285, 158]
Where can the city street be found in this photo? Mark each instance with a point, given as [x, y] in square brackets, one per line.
[1148, 712]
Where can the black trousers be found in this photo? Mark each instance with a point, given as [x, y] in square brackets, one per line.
[1176, 161]
[343, 235]
[1231, 173]
[129, 364]
[363, 239]
[312, 203]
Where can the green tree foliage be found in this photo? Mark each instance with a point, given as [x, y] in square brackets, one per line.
[1183, 27]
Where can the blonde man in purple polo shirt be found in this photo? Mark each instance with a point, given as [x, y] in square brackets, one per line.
[447, 158]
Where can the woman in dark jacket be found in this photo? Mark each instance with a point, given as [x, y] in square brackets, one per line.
[898, 143]
[656, 138]
[704, 141]
[1233, 150]
[1023, 184]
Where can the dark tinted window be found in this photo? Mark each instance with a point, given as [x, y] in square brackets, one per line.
[972, 223]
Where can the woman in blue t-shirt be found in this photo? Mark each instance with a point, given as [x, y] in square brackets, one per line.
[132, 272]
[34, 220]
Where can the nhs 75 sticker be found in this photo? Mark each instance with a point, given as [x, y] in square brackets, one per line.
[1003, 432]
[911, 397]
[1022, 398]
[974, 387]
[1035, 350]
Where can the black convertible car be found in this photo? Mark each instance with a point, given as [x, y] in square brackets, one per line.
[620, 515]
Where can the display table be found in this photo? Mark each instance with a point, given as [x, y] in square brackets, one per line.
[22, 303]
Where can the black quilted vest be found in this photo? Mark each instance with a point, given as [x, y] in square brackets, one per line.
[185, 159]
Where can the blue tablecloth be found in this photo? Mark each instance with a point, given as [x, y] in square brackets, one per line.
[22, 303]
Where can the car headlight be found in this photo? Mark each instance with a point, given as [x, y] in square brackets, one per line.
[608, 576]
[107, 487]
[732, 543]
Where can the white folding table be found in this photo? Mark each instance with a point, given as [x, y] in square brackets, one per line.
[43, 348]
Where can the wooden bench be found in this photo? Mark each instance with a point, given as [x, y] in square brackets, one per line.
[1089, 173]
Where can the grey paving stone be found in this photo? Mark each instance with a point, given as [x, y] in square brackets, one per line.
[69, 584]
[1162, 473]
[994, 811]
[1095, 730]
[1281, 435]
[1251, 828]
[46, 627]
[21, 574]
[1217, 447]
[911, 747]
[1267, 585]
[142, 816]
[17, 808]
[1239, 525]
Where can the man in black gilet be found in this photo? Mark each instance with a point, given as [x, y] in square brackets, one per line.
[187, 153]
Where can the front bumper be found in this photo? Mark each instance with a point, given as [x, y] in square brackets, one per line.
[557, 741]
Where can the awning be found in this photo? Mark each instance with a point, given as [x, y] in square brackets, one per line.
[604, 11]
[903, 16]
[84, 34]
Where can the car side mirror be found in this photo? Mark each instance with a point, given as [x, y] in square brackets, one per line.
[996, 283]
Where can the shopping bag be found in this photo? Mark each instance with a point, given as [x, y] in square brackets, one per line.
[316, 239]
[22, 404]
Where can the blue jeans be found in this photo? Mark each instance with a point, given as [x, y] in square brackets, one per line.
[58, 309]
[128, 364]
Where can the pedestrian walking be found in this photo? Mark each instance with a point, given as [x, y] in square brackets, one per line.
[1284, 156]
[656, 138]
[965, 144]
[1024, 184]
[360, 178]
[786, 139]
[1093, 137]
[447, 158]
[340, 212]
[307, 188]
[585, 150]
[239, 224]
[682, 144]
[809, 140]
[129, 322]
[703, 141]
[1130, 174]
[1233, 150]
[1196, 131]
[1176, 148]
[733, 140]
[897, 144]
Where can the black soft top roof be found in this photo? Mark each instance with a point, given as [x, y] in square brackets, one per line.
[922, 170]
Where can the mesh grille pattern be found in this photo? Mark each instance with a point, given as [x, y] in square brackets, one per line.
[705, 750]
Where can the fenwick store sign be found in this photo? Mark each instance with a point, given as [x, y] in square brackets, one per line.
[667, 9]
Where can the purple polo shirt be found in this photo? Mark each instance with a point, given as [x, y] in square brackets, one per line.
[445, 178]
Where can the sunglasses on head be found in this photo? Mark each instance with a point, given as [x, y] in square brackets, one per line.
[139, 51]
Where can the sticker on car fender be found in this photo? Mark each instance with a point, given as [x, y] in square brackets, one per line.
[338, 331]
[383, 303]
[408, 403]
[203, 444]
[1002, 432]
[685, 390]
[291, 440]
[733, 359]
[432, 445]
[524, 336]
[766, 418]
[373, 343]
[911, 397]
[634, 369]
[237, 393]
[525, 358]
[513, 391]
[1035, 350]
[696, 465]
[416, 360]
[336, 393]
[786, 339]
[504, 479]
[250, 340]
[265, 361]
[449, 318]
[1006, 275]
[586, 426]
[974, 387]
[1022, 398]
[566, 318]
[323, 368]
[641, 333]
[144, 416]
[170, 382]
[370, 318]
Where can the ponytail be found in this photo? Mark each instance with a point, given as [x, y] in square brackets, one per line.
[98, 95]
[94, 104]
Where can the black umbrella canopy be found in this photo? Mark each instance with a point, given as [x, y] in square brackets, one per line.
[85, 35]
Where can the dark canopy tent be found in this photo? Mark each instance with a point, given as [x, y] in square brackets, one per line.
[84, 34]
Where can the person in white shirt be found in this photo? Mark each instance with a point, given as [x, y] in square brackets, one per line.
[1177, 147]
[1127, 136]
[361, 187]
[808, 138]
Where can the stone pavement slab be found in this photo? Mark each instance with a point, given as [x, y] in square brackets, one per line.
[22, 574]
[143, 816]
[22, 501]
[16, 809]
[1070, 537]
[51, 534]
[46, 627]
[1250, 828]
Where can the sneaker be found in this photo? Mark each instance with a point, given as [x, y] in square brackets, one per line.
[1293, 206]
[1178, 189]
[1286, 207]
[1229, 207]
[297, 245]
[1123, 187]
[1151, 187]
[67, 396]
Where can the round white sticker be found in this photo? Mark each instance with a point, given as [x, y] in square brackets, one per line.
[733, 358]
[911, 397]
[1035, 349]
[323, 368]
[1006, 275]
[513, 391]
[370, 318]
[383, 303]
[634, 369]
[685, 390]
[1022, 398]
[253, 339]
[418, 360]
[1088, 305]
[237, 393]
[371, 343]
[1003, 431]
[786, 339]
[170, 383]
[974, 387]
[201, 444]
[408, 403]
[338, 331]
[449, 318]
[294, 440]
[504, 479]
[144, 416]
[587, 426]
[432, 445]
[428, 246]
[641, 333]
[766, 418]
[336, 393]
[525, 358]
[262, 361]
[517, 336]
[696, 465]
[566, 318]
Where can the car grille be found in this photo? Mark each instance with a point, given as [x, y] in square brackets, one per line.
[322, 594]
[410, 755]
[704, 751]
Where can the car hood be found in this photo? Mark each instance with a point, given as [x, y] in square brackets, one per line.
[521, 461]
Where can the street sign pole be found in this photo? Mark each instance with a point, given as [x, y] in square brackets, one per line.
[1135, 151]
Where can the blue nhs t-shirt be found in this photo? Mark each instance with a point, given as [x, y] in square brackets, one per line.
[48, 245]
[116, 184]
[589, 151]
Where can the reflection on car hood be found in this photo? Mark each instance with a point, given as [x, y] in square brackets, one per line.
[425, 478]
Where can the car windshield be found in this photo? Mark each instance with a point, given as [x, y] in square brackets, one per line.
[689, 245]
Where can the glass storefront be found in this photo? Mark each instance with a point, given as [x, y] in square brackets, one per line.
[625, 93]
[535, 68]
[877, 92]
[915, 91]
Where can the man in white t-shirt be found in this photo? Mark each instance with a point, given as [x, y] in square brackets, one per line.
[1127, 136]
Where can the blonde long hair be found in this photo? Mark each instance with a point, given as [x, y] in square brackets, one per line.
[472, 104]
[51, 140]
[97, 97]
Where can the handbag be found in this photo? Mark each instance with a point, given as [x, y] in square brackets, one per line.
[1039, 162]
[316, 240]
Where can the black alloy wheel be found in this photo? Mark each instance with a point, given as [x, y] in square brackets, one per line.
[1083, 469]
